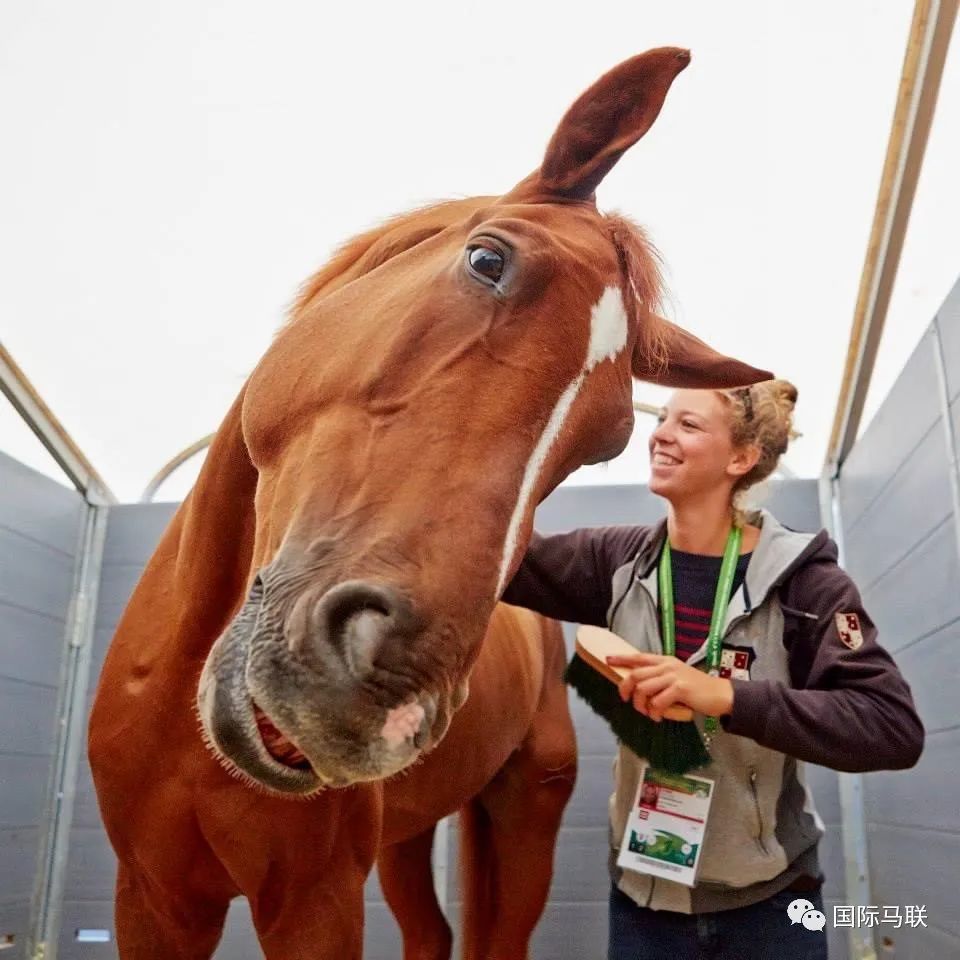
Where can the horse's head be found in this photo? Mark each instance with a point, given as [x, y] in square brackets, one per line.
[435, 382]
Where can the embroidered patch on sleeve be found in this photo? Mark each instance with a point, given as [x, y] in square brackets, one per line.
[848, 629]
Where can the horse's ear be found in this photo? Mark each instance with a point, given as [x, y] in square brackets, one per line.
[609, 117]
[682, 360]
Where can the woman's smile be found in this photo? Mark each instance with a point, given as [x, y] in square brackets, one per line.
[662, 459]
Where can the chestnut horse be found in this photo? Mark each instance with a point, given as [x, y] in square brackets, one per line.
[319, 599]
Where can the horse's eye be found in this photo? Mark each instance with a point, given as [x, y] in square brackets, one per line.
[486, 263]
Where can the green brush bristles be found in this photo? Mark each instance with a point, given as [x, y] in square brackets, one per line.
[669, 745]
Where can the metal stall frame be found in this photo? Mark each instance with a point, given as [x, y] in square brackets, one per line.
[75, 663]
[926, 53]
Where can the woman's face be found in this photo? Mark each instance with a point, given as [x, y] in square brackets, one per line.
[692, 451]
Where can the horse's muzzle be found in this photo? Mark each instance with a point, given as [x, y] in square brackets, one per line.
[305, 691]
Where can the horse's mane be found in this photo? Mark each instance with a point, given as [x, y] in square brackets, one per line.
[369, 250]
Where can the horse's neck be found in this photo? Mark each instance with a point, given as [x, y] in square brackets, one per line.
[199, 572]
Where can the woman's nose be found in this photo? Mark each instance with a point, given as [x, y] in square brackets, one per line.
[663, 433]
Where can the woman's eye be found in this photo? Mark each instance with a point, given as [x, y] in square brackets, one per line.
[486, 263]
[689, 424]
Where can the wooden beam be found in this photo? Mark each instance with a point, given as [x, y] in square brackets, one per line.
[926, 53]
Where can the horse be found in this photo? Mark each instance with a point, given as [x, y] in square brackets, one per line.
[307, 625]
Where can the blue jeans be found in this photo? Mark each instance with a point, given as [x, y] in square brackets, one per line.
[761, 931]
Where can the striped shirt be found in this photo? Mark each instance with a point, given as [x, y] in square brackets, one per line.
[694, 589]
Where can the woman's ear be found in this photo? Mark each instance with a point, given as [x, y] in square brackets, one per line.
[743, 460]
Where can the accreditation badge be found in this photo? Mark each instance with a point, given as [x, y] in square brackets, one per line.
[666, 825]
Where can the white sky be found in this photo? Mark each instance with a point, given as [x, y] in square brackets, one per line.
[171, 172]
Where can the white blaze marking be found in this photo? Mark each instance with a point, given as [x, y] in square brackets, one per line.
[608, 336]
[530, 475]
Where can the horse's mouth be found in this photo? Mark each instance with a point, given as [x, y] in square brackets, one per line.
[247, 743]
[251, 745]
[278, 745]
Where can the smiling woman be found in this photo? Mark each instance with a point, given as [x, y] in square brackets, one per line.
[757, 630]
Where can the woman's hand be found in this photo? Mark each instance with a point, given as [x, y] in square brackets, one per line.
[657, 682]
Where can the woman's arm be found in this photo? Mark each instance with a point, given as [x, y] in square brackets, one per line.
[851, 709]
[569, 576]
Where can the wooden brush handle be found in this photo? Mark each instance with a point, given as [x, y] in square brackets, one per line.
[594, 645]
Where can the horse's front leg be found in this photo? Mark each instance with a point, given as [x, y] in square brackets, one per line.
[318, 921]
[154, 923]
[308, 904]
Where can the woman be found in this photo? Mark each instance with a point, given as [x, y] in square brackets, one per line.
[797, 675]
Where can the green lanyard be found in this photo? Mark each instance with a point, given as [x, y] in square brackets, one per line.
[668, 622]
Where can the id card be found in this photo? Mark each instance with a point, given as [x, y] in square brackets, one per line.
[667, 822]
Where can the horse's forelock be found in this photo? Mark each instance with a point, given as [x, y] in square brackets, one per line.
[642, 285]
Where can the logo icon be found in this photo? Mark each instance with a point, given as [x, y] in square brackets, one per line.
[803, 911]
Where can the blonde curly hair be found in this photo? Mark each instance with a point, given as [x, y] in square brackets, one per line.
[761, 415]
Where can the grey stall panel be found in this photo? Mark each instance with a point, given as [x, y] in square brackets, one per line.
[916, 596]
[902, 547]
[132, 534]
[794, 502]
[39, 531]
[948, 317]
[909, 413]
[920, 490]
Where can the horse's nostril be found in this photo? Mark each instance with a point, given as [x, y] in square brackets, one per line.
[346, 601]
[356, 617]
[361, 637]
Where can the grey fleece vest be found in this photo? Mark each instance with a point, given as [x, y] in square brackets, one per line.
[762, 831]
